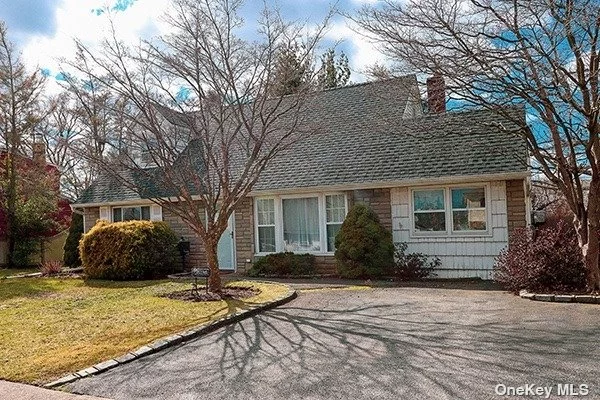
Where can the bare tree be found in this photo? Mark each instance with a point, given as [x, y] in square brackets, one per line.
[541, 54]
[203, 153]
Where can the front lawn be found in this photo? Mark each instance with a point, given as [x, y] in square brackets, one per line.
[4, 272]
[50, 327]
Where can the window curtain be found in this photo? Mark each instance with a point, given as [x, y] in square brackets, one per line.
[301, 224]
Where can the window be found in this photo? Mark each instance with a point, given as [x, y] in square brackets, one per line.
[468, 209]
[461, 208]
[335, 211]
[301, 224]
[430, 212]
[131, 213]
[265, 213]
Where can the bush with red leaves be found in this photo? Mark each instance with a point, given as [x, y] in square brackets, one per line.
[542, 260]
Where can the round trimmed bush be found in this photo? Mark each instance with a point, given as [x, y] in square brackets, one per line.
[542, 260]
[364, 247]
[128, 250]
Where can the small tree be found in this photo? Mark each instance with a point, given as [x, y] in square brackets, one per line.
[364, 247]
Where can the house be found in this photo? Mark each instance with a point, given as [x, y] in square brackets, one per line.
[450, 184]
[34, 171]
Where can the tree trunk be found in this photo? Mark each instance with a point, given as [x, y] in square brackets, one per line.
[591, 248]
[214, 281]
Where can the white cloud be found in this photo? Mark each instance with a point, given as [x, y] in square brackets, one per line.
[362, 52]
[77, 20]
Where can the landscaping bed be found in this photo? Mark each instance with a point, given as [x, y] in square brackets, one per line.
[230, 292]
[53, 326]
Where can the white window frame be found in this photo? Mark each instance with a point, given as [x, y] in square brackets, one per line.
[112, 213]
[257, 225]
[278, 201]
[332, 223]
[450, 232]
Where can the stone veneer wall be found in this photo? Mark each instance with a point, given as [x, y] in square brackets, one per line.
[244, 234]
[377, 199]
[197, 255]
[90, 216]
[516, 204]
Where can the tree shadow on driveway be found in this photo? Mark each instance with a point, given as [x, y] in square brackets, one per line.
[371, 345]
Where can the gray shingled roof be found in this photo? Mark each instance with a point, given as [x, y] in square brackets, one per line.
[359, 149]
[363, 139]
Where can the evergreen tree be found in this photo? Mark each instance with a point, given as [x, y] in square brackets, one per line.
[292, 71]
[333, 72]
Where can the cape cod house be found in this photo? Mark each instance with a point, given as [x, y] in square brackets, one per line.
[450, 184]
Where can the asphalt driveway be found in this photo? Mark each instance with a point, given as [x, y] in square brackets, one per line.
[388, 343]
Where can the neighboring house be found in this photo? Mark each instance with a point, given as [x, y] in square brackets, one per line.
[52, 246]
[450, 184]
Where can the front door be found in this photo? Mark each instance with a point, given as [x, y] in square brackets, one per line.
[226, 247]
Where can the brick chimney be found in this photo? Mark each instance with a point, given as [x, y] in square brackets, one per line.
[39, 153]
[436, 94]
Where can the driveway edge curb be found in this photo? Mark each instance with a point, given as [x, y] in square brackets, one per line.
[174, 339]
[561, 298]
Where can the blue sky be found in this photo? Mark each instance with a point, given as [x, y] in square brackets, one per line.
[44, 29]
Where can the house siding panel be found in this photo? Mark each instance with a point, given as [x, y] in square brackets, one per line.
[462, 257]
[516, 204]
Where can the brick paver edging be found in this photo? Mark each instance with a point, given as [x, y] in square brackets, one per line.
[561, 298]
[174, 340]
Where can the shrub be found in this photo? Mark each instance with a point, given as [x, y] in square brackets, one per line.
[284, 264]
[51, 267]
[25, 248]
[128, 250]
[71, 257]
[413, 266]
[547, 259]
[364, 247]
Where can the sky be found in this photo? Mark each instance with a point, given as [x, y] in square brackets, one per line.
[43, 30]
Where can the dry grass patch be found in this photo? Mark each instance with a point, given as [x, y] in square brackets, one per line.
[4, 272]
[50, 327]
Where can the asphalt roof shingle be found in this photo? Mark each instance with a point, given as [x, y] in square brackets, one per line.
[362, 138]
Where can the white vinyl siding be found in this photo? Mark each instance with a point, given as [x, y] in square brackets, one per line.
[463, 254]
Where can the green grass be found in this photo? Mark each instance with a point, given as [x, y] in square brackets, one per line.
[4, 272]
[50, 327]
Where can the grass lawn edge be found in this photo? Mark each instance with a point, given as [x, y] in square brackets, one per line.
[175, 339]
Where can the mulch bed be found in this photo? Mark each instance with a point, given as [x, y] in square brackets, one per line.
[229, 292]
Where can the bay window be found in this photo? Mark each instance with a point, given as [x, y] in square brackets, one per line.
[449, 210]
[301, 224]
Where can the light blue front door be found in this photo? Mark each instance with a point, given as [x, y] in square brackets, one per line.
[226, 247]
